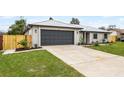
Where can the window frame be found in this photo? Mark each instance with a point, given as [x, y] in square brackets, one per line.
[105, 36]
[95, 35]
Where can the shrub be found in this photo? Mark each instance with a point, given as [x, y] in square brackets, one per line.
[35, 45]
[24, 43]
[103, 41]
[79, 43]
[96, 43]
[81, 40]
[110, 43]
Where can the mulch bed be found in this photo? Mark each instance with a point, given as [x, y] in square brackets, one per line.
[22, 49]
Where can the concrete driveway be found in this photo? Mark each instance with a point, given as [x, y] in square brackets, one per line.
[88, 61]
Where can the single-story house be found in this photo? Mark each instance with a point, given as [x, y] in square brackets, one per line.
[52, 32]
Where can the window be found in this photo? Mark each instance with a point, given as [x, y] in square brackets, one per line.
[95, 35]
[105, 36]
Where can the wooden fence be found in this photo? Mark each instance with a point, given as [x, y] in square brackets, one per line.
[112, 38]
[1, 42]
[11, 41]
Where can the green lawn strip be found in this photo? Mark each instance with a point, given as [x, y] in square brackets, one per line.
[116, 48]
[36, 63]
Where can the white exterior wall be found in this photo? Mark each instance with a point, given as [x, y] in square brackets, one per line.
[91, 38]
[36, 37]
[76, 37]
[100, 37]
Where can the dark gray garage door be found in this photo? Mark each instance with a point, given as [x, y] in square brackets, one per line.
[53, 37]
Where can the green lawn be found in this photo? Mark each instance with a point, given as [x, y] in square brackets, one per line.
[36, 64]
[116, 48]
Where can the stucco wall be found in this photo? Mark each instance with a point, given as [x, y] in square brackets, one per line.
[76, 37]
[34, 32]
[99, 38]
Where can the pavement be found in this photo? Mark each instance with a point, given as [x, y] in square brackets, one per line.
[6, 52]
[89, 62]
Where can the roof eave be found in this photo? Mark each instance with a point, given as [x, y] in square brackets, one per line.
[55, 26]
[96, 31]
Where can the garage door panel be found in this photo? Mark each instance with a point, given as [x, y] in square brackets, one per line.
[52, 37]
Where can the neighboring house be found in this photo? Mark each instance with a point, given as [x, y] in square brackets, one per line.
[114, 33]
[119, 32]
[52, 32]
[1, 33]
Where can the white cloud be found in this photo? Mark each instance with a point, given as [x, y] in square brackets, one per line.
[96, 24]
[107, 16]
[4, 28]
[121, 19]
[33, 20]
[6, 17]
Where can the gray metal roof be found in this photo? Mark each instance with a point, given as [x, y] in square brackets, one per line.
[55, 23]
[92, 29]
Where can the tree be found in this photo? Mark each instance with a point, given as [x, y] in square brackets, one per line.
[72, 21]
[75, 21]
[102, 27]
[50, 18]
[111, 27]
[18, 28]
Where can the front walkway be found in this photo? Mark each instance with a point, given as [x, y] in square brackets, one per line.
[88, 61]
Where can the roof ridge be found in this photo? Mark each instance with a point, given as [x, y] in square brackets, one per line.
[55, 21]
[63, 22]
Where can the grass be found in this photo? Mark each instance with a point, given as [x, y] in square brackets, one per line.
[115, 48]
[35, 64]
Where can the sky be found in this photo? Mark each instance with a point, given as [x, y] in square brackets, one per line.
[95, 21]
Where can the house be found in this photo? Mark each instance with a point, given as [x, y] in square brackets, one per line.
[114, 33]
[119, 33]
[92, 35]
[52, 32]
